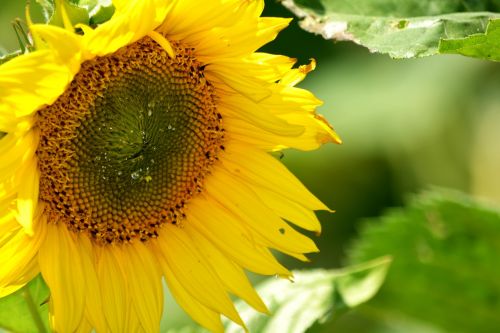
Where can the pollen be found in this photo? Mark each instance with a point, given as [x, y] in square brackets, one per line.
[129, 143]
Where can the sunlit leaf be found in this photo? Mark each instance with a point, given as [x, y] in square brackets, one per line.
[484, 46]
[99, 10]
[402, 29]
[76, 14]
[90, 12]
[17, 310]
[314, 297]
[445, 272]
[47, 8]
[52, 14]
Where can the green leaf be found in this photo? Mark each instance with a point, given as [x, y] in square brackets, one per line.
[47, 8]
[314, 298]
[101, 14]
[99, 11]
[484, 46]
[90, 12]
[401, 29]
[445, 272]
[76, 14]
[359, 283]
[20, 311]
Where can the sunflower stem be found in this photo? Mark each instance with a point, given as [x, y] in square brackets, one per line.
[33, 310]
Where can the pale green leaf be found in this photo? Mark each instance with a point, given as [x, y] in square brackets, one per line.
[359, 283]
[89, 12]
[314, 298]
[99, 10]
[402, 29]
[445, 272]
[484, 46]
[76, 14]
[16, 314]
[47, 8]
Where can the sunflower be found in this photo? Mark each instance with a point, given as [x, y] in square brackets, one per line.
[139, 150]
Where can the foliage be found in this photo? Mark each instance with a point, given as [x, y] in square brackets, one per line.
[89, 12]
[445, 270]
[20, 311]
[484, 46]
[402, 29]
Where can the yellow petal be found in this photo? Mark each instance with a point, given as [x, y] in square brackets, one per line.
[242, 108]
[317, 128]
[30, 81]
[18, 252]
[192, 17]
[245, 204]
[131, 22]
[119, 4]
[295, 76]
[231, 275]
[67, 45]
[249, 39]
[10, 123]
[27, 198]
[264, 66]
[93, 303]
[61, 267]
[189, 266]
[231, 236]
[163, 42]
[286, 99]
[17, 151]
[8, 223]
[84, 327]
[315, 134]
[258, 167]
[200, 313]
[28, 272]
[133, 322]
[244, 34]
[144, 281]
[289, 210]
[250, 87]
[114, 291]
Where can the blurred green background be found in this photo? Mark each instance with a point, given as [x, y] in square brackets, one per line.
[407, 125]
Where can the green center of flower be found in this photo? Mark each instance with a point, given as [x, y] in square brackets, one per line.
[128, 143]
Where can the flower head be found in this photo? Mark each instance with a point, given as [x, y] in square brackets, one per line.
[139, 150]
